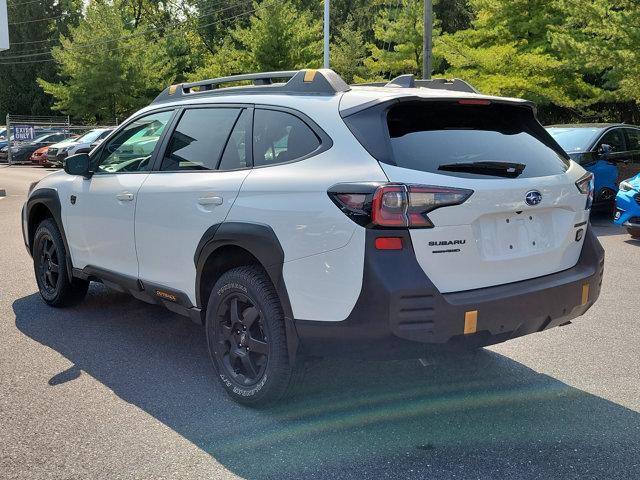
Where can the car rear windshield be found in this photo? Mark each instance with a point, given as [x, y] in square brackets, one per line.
[479, 141]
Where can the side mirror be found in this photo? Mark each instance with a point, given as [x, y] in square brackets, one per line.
[604, 151]
[79, 164]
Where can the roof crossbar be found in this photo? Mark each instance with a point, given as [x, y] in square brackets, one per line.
[311, 82]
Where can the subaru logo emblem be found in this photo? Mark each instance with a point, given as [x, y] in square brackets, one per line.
[533, 198]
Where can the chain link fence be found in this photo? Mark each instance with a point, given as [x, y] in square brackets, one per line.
[23, 135]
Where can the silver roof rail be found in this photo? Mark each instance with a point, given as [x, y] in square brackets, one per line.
[300, 82]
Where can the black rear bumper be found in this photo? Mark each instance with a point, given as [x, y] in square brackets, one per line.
[400, 313]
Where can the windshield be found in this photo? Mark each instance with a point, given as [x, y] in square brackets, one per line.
[486, 141]
[573, 139]
[89, 137]
[42, 138]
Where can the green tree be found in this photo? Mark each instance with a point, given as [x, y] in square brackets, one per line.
[602, 40]
[507, 52]
[213, 19]
[33, 31]
[278, 37]
[348, 52]
[453, 15]
[399, 31]
[107, 71]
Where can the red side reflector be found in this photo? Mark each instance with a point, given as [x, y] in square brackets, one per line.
[388, 243]
[474, 101]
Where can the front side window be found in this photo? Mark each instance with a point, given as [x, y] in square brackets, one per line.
[103, 135]
[199, 139]
[131, 150]
[615, 139]
[280, 137]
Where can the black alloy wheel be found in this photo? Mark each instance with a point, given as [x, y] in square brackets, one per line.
[50, 268]
[242, 350]
[48, 264]
[245, 328]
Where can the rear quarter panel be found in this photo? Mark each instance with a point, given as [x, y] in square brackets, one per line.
[323, 248]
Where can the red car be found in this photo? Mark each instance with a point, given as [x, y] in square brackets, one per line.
[39, 157]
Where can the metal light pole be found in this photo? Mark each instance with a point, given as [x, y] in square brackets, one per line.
[8, 126]
[427, 43]
[326, 33]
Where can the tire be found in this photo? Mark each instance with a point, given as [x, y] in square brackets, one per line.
[50, 267]
[634, 232]
[247, 340]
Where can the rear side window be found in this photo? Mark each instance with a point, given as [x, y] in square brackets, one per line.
[199, 139]
[280, 137]
[474, 141]
[633, 136]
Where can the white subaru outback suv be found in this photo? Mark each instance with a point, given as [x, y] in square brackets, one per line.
[313, 217]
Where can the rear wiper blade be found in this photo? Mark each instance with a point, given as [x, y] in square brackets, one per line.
[498, 169]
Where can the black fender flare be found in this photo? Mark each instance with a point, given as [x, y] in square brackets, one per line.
[50, 199]
[260, 241]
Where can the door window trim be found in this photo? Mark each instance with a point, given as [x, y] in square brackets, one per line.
[95, 158]
[156, 167]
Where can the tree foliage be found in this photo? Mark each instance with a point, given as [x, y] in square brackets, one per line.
[278, 37]
[398, 30]
[503, 55]
[348, 52]
[578, 60]
[105, 79]
[19, 92]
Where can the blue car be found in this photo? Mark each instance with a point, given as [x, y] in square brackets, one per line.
[610, 151]
[628, 206]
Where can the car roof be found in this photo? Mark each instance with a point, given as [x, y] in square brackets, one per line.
[316, 86]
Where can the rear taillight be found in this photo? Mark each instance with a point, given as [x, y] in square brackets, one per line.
[586, 186]
[394, 205]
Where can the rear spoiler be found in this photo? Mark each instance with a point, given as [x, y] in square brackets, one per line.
[409, 81]
[516, 102]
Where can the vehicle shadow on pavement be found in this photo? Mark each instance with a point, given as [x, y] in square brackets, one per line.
[483, 416]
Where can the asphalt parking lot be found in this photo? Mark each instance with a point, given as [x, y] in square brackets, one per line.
[115, 388]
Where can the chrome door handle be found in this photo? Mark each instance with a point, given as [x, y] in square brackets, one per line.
[214, 200]
[125, 196]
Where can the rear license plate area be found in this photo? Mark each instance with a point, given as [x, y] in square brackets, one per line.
[516, 234]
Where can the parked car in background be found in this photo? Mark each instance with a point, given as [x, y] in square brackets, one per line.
[610, 151]
[628, 206]
[39, 157]
[58, 152]
[21, 153]
[3, 148]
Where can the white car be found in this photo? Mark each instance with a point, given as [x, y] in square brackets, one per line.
[58, 152]
[316, 218]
